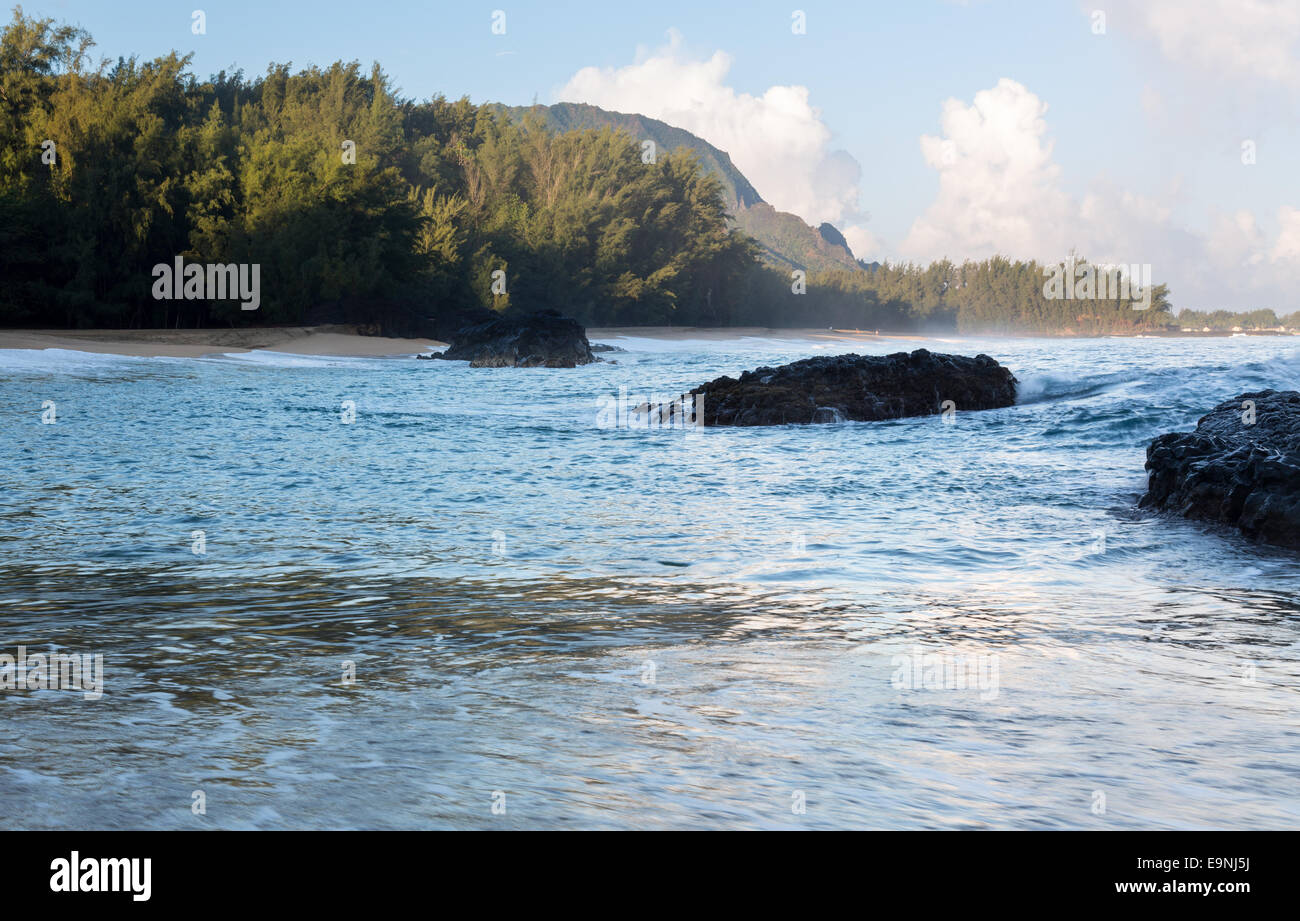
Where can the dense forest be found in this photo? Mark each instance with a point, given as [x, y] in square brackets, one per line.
[408, 218]
[1227, 320]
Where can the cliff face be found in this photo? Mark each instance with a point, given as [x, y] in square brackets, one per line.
[788, 242]
[785, 239]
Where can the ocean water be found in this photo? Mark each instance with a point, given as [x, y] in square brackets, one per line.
[557, 623]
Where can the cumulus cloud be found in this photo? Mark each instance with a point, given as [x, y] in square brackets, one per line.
[1287, 247]
[1000, 192]
[778, 140]
[1255, 40]
[998, 187]
[864, 244]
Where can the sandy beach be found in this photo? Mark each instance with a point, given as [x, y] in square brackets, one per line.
[345, 341]
[341, 341]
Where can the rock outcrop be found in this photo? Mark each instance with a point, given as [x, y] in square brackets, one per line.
[1240, 467]
[853, 388]
[542, 340]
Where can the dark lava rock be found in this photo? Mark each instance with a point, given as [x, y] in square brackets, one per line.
[542, 340]
[1234, 470]
[855, 388]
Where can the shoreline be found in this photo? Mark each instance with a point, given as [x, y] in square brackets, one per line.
[330, 341]
[341, 341]
[729, 333]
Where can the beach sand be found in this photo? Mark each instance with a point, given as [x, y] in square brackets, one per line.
[192, 343]
[344, 341]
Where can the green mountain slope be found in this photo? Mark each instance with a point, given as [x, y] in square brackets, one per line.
[786, 240]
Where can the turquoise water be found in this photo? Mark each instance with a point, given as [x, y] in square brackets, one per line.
[629, 628]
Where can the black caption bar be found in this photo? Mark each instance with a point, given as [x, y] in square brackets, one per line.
[144, 871]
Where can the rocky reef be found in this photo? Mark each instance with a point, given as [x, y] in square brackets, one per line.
[1241, 467]
[854, 388]
[540, 340]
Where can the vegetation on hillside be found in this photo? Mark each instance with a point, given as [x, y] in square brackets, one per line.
[784, 240]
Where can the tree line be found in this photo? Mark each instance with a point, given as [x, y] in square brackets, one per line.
[408, 218]
[1227, 320]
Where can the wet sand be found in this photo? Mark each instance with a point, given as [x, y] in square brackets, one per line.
[341, 341]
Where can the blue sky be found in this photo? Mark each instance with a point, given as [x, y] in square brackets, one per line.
[1126, 144]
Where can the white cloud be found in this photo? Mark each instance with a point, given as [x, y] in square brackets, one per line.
[998, 186]
[1237, 240]
[865, 244]
[1287, 247]
[1253, 40]
[778, 139]
[1000, 192]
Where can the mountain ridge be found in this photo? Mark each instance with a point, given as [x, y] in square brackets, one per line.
[784, 239]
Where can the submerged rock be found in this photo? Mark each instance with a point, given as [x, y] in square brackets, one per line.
[1240, 467]
[542, 340]
[855, 388]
